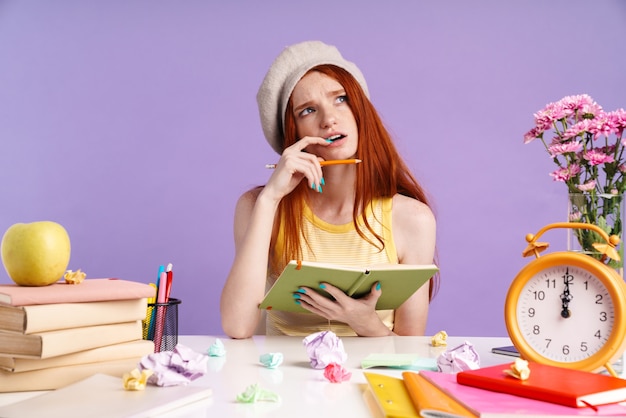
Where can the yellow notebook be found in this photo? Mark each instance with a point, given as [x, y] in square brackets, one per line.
[412, 396]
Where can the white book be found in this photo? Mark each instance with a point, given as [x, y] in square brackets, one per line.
[103, 395]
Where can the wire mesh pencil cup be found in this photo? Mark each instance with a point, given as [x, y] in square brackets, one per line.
[161, 325]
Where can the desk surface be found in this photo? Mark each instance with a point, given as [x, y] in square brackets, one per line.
[303, 390]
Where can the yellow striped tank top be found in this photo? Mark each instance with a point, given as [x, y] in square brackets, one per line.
[339, 244]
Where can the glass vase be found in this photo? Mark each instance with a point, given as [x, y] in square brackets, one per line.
[603, 210]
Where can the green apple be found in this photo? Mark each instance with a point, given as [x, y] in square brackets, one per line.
[35, 254]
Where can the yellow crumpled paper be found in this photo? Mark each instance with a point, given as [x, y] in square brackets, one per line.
[439, 339]
[519, 369]
[74, 277]
[136, 380]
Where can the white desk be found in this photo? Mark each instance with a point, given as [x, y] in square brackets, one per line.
[303, 390]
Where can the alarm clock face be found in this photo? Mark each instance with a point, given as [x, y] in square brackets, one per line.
[565, 313]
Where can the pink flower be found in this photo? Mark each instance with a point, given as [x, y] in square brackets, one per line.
[558, 149]
[596, 157]
[531, 135]
[576, 129]
[587, 186]
[566, 173]
[336, 373]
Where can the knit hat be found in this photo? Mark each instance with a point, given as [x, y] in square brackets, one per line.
[282, 77]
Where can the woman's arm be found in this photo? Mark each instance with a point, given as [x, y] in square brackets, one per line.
[414, 232]
[254, 220]
[245, 285]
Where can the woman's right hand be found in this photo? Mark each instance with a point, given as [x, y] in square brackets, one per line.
[294, 165]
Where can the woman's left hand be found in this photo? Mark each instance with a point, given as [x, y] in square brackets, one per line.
[359, 314]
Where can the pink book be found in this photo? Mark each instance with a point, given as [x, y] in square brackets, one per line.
[90, 290]
[486, 403]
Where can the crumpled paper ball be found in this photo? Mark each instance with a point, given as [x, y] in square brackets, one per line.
[217, 349]
[324, 348]
[336, 373]
[74, 277]
[457, 359]
[177, 367]
[271, 360]
[440, 339]
[255, 393]
[519, 369]
[136, 380]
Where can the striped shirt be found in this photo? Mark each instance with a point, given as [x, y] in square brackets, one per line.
[338, 244]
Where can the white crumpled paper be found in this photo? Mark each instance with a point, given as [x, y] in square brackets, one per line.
[324, 348]
[177, 367]
[457, 359]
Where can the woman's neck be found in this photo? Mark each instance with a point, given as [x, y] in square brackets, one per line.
[336, 202]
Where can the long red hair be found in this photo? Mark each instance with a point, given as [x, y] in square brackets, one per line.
[383, 172]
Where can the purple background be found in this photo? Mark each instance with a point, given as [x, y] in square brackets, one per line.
[134, 124]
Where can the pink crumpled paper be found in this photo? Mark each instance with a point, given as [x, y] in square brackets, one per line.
[177, 367]
[336, 373]
[324, 348]
[457, 359]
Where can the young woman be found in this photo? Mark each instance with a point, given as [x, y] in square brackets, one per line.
[314, 107]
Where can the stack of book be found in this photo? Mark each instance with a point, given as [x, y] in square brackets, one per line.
[52, 336]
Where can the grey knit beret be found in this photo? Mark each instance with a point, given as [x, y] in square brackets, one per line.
[282, 77]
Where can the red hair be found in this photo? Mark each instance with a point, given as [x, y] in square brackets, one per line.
[383, 173]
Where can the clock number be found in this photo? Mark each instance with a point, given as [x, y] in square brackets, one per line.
[536, 330]
[548, 341]
[603, 316]
[566, 296]
[531, 312]
[598, 299]
[565, 349]
[598, 334]
[583, 346]
[548, 281]
[540, 295]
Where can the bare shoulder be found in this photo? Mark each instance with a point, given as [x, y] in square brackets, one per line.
[414, 230]
[247, 200]
[409, 211]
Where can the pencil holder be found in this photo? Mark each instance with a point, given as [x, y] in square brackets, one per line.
[162, 328]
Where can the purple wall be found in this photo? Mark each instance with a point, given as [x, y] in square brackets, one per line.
[134, 124]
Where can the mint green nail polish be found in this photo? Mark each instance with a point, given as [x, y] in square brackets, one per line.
[322, 182]
[322, 286]
[296, 296]
[319, 188]
[313, 186]
[301, 290]
[298, 302]
[329, 140]
[377, 286]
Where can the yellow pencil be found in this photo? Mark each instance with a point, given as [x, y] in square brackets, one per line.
[325, 163]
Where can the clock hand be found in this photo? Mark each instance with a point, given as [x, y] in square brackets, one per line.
[566, 296]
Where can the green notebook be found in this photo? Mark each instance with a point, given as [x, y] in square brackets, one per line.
[398, 282]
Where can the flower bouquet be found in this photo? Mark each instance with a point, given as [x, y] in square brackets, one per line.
[586, 145]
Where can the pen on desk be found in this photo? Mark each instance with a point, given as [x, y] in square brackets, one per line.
[325, 163]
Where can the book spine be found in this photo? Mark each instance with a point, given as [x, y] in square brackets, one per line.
[57, 377]
[43, 318]
[121, 351]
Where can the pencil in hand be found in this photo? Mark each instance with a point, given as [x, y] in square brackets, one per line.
[325, 163]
